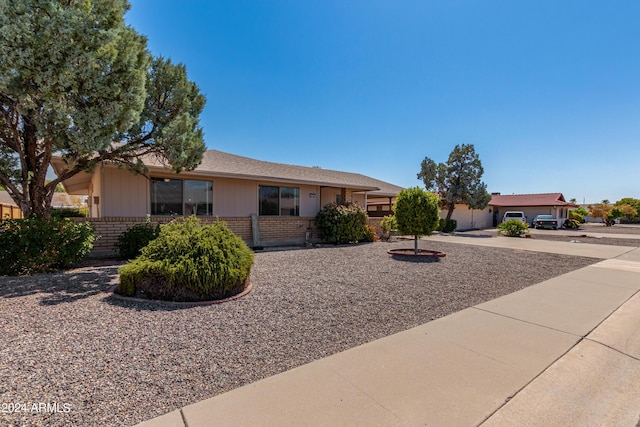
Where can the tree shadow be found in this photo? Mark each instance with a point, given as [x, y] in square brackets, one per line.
[137, 304]
[61, 287]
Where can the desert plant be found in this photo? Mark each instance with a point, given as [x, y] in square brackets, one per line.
[342, 223]
[36, 245]
[388, 225]
[571, 223]
[189, 262]
[131, 242]
[578, 216]
[416, 212]
[513, 228]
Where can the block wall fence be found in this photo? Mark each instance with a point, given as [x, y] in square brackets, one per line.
[274, 231]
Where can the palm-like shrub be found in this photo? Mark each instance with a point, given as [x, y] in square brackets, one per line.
[189, 262]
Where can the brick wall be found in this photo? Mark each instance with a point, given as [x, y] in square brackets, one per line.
[274, 231]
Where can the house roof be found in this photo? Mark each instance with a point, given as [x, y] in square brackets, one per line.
[220, 164]
[545, 199]
[5, 198]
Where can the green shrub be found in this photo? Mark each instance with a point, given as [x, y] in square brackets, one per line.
[135, 238]
[342, 223]
[189, 262]
[574, 215]
[388, 225]
[70, 213]
[513, 228]
[447, 226]
[35, 245]
[370, 234]
[571, 223]
[417, 213]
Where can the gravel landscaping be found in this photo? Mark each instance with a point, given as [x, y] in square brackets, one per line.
[560, 236]
[66, 340]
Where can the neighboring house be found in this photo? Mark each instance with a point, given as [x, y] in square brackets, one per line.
[470, 219]
[67, 201]
[283, 198]
[8, 208]
[531, 204]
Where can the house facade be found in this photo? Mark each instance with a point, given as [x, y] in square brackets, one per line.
[266, 203]
[531, 204]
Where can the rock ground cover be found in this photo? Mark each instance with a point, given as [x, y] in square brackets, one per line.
[114, 362]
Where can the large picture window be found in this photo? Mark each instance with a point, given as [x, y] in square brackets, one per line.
[283, 201]
[181, 197]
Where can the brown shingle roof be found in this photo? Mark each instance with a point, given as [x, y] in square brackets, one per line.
[545, 199]
[221, 164]
[5, 198]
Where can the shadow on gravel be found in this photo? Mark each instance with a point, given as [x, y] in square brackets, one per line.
[418, 260]
[132, 304]
[63, 287]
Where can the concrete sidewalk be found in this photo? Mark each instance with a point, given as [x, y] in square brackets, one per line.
[562, 352]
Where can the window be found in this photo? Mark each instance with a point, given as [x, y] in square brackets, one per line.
[283, 201]
[181, 197]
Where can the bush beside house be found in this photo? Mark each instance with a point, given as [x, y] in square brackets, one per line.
[189, 262]
[34, 245]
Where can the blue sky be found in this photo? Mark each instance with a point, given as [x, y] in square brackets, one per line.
[548, 92]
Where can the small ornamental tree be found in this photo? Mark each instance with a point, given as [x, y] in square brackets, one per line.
[416, 213]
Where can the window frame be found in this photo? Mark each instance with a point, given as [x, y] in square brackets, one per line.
[183, 196]
[296, 201]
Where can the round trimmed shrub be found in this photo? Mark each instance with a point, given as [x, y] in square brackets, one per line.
[189, 262]
[34, 245]
[343, 223]
[513, 228]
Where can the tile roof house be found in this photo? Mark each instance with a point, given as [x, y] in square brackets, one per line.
[531, 204]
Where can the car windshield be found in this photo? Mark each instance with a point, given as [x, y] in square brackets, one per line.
[545, 217]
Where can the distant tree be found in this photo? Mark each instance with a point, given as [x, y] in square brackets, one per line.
[572, 200]
[627, 211]
[75, 80]
[607, 212]
[634, 203]
[458, 180]
[600, 210]
[580, 210]
[416, 213]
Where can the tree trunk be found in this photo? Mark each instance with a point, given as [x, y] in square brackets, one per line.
[451, 207]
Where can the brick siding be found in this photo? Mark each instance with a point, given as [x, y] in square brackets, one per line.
[274, 231]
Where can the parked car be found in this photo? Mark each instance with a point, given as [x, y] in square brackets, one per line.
[545, 221]
[514, 215]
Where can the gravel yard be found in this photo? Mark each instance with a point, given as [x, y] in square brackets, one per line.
[561, 236]
[66, 340]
